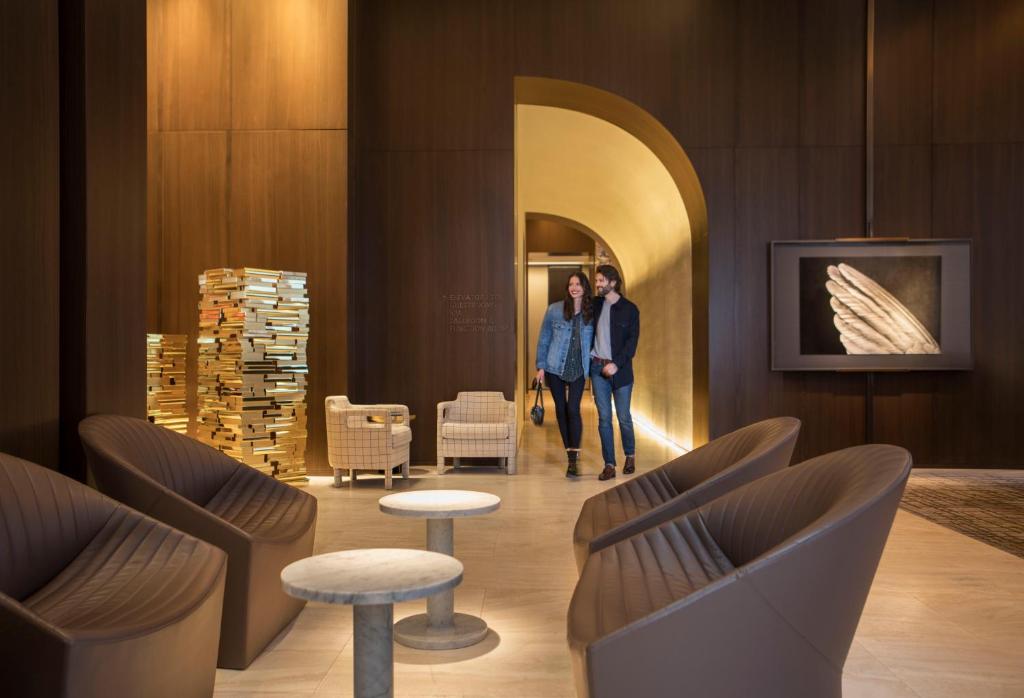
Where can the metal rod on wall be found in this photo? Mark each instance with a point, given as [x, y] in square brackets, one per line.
[869, 192]
[869, 125]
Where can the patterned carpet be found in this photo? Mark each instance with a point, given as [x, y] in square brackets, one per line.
[986, 506]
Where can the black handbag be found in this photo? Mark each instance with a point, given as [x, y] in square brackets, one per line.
[537, 413]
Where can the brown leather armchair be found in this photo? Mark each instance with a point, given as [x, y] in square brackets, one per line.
[261, 523]
[97, 600]
[757, 593]
[684, 484]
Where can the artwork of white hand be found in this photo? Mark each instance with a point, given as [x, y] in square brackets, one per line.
[871, 320]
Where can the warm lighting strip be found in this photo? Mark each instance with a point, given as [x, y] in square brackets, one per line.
[659, 435]
[165, 381]
[253, 332]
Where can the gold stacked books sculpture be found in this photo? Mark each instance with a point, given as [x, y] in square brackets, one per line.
[253, 331]
[165, 381]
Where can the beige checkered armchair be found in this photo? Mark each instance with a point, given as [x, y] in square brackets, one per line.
[366, 437]
[476, 424]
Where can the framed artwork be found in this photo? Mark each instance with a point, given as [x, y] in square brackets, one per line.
[871, 305]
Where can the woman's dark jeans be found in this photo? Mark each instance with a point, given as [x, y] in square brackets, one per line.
[567, 407]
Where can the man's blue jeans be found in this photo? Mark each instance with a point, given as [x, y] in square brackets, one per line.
[603, 395]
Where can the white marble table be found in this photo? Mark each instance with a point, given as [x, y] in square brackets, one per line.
[440, 628]
[371, 581]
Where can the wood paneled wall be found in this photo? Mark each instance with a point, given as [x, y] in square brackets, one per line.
[29, 231]
[951, 164]
[72, 157]
[767, 99]
[103, 211]
[247, 165]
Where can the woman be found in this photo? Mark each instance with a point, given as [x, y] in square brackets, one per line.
[563, 352]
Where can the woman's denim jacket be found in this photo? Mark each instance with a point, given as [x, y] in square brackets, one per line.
[555, 335]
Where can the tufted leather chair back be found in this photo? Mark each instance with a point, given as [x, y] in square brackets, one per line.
[46, 520]
[810, 498]
[770, 442]
[181, 464]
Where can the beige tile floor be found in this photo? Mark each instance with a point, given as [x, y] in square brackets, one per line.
[945, 617]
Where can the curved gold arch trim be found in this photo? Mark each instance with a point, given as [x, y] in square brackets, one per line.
[573, 223]
[549, 92]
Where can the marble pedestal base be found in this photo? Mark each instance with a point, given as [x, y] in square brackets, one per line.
[440, 628]
[417, 631]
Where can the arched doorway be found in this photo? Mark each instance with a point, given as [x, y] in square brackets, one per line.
[598, 159]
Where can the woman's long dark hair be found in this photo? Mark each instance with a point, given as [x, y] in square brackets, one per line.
[587, 304]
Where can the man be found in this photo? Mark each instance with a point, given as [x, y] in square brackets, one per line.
[611, 366]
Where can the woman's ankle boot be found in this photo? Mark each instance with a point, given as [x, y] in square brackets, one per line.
[573, 469]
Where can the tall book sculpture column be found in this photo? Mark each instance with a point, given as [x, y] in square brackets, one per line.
[253, 331]
[165, 381]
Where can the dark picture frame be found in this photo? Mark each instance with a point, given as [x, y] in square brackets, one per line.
[924, 284]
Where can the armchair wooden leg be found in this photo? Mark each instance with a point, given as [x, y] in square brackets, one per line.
[387, 478]
[456, 462]
[338, 478]
[510, 465]
[440, 465]
[351, 478]
[405, 470]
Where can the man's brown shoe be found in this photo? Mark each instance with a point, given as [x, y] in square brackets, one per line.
[608, 473]
[630, 465]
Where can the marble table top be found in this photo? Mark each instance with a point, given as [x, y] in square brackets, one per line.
[371, 576]
[439, 504]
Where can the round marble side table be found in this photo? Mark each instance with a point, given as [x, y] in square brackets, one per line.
[440, 628]
[372, 581]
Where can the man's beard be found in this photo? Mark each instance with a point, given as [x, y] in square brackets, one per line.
[603, 291]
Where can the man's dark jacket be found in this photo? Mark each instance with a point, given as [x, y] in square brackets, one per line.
[624, 326]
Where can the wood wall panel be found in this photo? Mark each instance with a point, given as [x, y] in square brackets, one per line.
[978, 64]
[192, 187]
[831, 408]
[29, 235]
[289, 64]
[831, 192]
[188, 65]
[441, 78]
[951, 418]
[596, 43]
[716, 169]
[102, 216]
[624, 49]
[768, 73]
[978, 194]
[72, 139]
[187, 234]
[288, 211]
[115, 189]
[705, 60]
[367, 263]
[447, 231]
[939, 190]
[832, 72]
[903, 71]
[903, 191]
[154, 235]
[767, 202]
